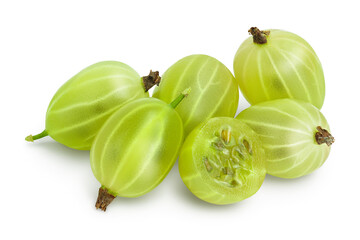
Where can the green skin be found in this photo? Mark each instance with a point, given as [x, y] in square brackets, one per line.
[284, 67]
[288, 128]
[212, 168]
[214, 89]
[136, 148]
[82, 105]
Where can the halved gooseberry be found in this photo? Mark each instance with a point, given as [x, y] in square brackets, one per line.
[222, 161]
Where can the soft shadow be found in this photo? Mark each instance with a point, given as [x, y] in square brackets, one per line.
[54, 148]
[131, 201]
[277, 181]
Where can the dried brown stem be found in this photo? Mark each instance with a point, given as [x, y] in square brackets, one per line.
[259, 37]
[104, 199]
[150, 80]
[323, 136]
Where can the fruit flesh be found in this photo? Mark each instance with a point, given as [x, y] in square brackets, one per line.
[284, 67]
[214, 91]
[82, 105]
[137, 147]
[287, 128]
[222, 161]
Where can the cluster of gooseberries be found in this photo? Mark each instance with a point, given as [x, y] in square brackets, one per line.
[134, 140]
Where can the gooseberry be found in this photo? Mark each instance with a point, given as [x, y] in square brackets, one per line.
[275, 64]
[136, 148]
[294, 133]
[214, 89]
[82, 105]
[222, 161]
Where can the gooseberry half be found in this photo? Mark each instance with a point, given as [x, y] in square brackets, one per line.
[222, 161]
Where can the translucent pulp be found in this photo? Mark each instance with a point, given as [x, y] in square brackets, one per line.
[222, 161]
[231, 161]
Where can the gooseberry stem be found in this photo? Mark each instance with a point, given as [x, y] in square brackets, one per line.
[104, 199]
[32, 138]
[177, 100]
[323, 136]
[150, 80]
[259, 37]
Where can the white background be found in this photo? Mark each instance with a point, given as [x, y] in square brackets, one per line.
[48, 191]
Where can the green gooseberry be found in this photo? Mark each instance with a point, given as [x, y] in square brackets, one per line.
[275, 64]
[214, 89]
[82, 105]
[294, 133]
[136, 148]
